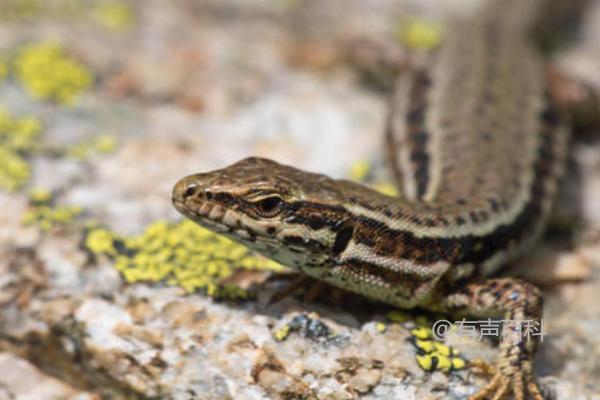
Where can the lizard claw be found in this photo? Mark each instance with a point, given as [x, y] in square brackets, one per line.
[521, 382]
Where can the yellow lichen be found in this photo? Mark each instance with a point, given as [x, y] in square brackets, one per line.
[19, 138]
[380, 327]
[419, 34]
[443, 363]
[101, 241]
[23, 135]
[40, 196]
[444, 350]
[14, 170]
[426, 345]
[386, 188]
[433, 355]
[47, 73]
[100, 144]
[19, 134]
[425, 362]
[105, 143]
[78, 151]
[114, 15]
[181, 254]
[421, 333]
[458, 363]
[46, 217]
[360, 170]
[282, 333]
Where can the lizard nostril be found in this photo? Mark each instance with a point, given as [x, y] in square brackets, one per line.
[190, 191]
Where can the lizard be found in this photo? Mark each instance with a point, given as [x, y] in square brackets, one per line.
[477, 147]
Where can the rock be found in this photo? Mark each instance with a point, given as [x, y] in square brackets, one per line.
[192, 87]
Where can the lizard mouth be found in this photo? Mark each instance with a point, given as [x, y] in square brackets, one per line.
[191, 201]
[208, 214]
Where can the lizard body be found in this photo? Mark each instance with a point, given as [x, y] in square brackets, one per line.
[476, 148]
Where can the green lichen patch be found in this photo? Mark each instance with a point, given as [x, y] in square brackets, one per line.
[181, 254]
[46, 72]
[19, 139]
[44, 214]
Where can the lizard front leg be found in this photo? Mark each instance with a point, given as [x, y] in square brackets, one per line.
[520, 303]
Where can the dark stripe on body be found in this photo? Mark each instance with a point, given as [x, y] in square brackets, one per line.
[404, 244]
[417, 134]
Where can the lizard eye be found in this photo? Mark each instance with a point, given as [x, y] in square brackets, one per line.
[269, 206]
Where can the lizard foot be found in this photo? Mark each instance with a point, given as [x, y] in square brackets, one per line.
[506, 384]
[521, 304]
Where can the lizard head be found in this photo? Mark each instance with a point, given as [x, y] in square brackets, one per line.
[291, 216]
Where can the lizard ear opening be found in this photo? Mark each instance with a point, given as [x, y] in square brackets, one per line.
[343, 237]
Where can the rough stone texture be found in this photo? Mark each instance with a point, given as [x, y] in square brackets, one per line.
[195, 86]
[13, 370]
